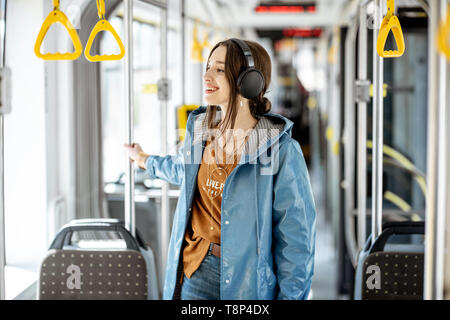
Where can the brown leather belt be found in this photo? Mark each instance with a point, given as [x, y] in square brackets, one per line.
[214, 249]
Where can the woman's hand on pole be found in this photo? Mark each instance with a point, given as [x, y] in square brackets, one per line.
[136, 154]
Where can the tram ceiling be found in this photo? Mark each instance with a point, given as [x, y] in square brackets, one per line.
[244, 13]
[258, 15]
[318, 13]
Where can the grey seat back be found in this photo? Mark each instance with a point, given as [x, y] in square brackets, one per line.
[393, 276]
[392, 271]
[93, 275]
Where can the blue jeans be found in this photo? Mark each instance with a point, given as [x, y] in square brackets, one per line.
[204, 283]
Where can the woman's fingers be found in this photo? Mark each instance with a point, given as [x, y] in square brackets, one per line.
[133, 150]
[130, 146]
[130, 150]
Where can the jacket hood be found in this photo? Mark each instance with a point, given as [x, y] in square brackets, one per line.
[267, 132]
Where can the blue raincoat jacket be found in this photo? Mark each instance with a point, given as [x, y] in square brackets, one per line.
[267, 215]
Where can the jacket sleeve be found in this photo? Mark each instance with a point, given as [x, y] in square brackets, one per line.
[169, 168]
[294, 223]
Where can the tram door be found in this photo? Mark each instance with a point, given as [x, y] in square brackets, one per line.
[152, 205]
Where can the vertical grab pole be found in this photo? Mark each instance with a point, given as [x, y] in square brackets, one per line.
[2, 211]
[129, 105]
[183, 51]
[2, 170]
[443, 167]
[362, 130]
[349, 129]
[436, 162]
[447, 262]
[377, 151]
[165, 218]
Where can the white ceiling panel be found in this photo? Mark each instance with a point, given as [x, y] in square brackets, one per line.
[240, 13]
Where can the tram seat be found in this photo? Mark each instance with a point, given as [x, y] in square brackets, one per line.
[404, 248]
[392, 271]
[121, 267]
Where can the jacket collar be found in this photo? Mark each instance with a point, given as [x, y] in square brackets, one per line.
[267, 132]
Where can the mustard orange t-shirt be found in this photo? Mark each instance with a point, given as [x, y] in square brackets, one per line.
[204, 228]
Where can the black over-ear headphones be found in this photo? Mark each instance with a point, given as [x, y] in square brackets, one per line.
[250, 81]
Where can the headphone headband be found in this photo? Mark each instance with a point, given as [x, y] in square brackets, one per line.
[246, 51]
[250, 81]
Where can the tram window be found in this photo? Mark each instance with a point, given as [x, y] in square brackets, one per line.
[25, 129]
[405, 121]
[408, 122]
[147, 72]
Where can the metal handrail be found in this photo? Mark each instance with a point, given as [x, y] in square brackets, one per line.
[349, 119]
[377, 151]
[165, 216]
[362, 131]
[2, 178]
[130, 218]
[437, 165]
[2, 211]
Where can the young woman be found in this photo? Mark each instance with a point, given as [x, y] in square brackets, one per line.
[244, 227]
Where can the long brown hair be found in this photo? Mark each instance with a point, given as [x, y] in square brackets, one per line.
[235, 63]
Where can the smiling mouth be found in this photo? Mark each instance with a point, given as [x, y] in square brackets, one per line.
[211, 90]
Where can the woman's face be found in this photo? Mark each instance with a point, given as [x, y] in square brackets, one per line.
[217, 89]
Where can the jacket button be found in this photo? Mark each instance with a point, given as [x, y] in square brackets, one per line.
[188, 153]
[227, 281]
[190, 209]
[227, 222]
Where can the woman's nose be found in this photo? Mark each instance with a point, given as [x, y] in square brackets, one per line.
[207, 76]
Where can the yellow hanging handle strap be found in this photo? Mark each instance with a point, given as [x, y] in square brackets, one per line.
[205, 44]
[58, 16]
[103, 25]
[196, 50]
[101, 9]
[390, 22]
[443, 36]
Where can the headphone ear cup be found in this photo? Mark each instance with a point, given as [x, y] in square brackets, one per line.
[250, 83]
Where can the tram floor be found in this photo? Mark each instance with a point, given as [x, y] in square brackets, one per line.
[324, 284]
